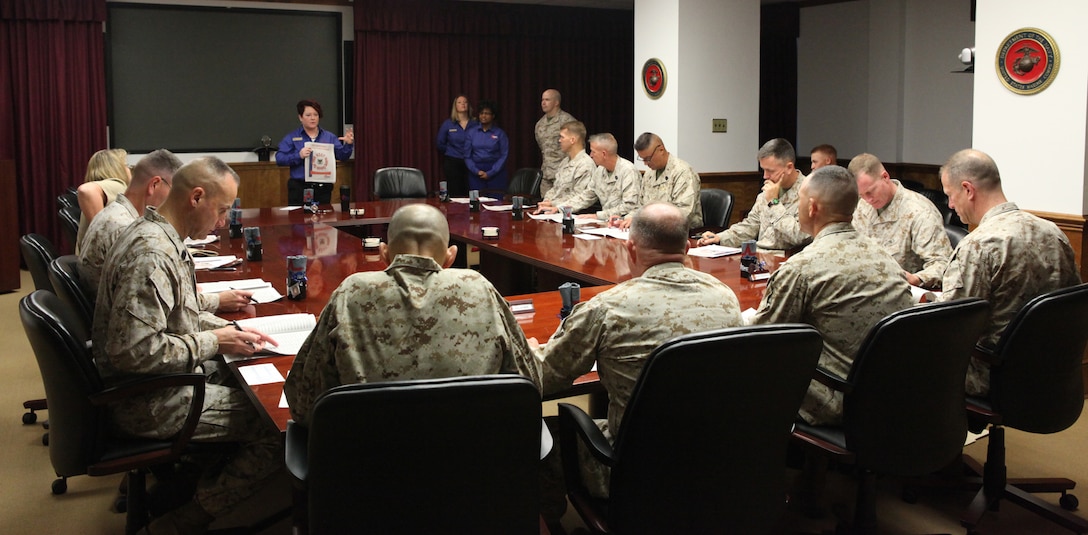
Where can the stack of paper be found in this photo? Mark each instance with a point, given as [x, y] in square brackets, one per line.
[210, 238]
[464, 200]
[558, 218]
[211, 262]
[263, 292]
[289, 330]
[608, 231]
[713, 251]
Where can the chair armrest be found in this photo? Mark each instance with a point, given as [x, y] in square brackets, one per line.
[986, 355]
[144, 385]
[296, 452]
[832, 381]
[576, 426]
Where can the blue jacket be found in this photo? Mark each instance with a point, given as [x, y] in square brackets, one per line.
[296, 140]
[451, 138]
[487, 151]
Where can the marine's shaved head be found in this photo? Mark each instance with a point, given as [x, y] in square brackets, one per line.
[419, 229]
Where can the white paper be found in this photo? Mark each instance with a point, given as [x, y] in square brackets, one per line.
[609, 231]
[321, 163]
[587, 237]
[918, 293]
[558, 218]
[210, 238]
[747, 315]
[713, 251]
[260, 374]
[464, 200]
[289, 330]
[283, 401]
[209, 262]
[289, 208]
[263, 291]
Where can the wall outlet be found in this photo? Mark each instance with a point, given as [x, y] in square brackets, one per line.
[719, 125]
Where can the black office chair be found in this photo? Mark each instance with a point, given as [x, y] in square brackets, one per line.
[525, 183]
[453, 455]
[38, 253]
[69, 223]
[902, 400]
[955, 233]
[1036, 386]
[399, 183]
[717, 208]
[703, 444]
[69, 286]
[81, 442]
[912, 185]
[68, 198]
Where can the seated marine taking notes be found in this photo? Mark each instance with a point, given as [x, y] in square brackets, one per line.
[415, 320]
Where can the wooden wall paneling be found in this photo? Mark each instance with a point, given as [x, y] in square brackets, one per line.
[744, 186]
[264, 184]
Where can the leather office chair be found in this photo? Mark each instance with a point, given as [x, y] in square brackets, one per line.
[81, 442]
[912, 185]
[902, 402]
[525, 183]
[703, 444]
[717, 208]
[1035, 386]
[38, 253]
[453, 455]
[69, 223]
[955, 233]
[68, 198]
[399, 183]
[68, 285]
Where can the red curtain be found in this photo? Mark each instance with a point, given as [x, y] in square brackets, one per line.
[412, 57]
[52, 100]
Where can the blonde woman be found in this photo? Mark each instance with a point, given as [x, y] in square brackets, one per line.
[108, 175]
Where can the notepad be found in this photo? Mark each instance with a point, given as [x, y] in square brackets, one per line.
[289, 330]
[263, 291]
[713, 251]
[212, 262]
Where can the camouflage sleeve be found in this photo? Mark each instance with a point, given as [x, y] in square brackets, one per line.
[784, 299]
[571, 351]
[630, 183]
[518, 358]
[685, 195]
[967, 274]
[137, 340]
[783, 231]
[747, 228]
[931, 245]
[581, 199]
[208, 301]
[314, 370]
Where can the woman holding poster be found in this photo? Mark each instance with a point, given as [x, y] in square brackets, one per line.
[297, 147]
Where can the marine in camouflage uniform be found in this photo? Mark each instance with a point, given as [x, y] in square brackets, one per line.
[573, 177]
[772, 224]
[911, 230]
[148, 321]
[415, 320]
[676, 183]
[1009, 259]
[841, 284]
[619, 328]
[617, 190]
[547, 136]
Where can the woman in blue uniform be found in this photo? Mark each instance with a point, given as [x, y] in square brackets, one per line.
[293, 152]
[486, 149]
[451, 143]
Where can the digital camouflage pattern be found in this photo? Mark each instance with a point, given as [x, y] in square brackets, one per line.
[414, 320]
[148, 321]
[774, 227]
[841, 284]
[678, 184]
[547, 136]
[1009, 259]
[911, 230]
[572, 178]
[617, 191]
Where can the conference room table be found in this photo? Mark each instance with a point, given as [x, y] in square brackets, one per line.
[330, 240]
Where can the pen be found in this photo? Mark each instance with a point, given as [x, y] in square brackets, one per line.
[240, 329]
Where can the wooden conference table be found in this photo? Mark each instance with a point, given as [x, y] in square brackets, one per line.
[330, 241]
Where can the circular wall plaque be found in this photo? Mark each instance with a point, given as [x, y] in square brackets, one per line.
[1027, 61]
[654, 78]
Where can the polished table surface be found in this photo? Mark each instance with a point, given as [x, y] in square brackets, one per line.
[333, 255]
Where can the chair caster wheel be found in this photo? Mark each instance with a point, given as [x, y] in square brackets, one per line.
[120, 504]
[45, 439]
[909, 496]
[60, 486]
[1069, 502]
[29, 418]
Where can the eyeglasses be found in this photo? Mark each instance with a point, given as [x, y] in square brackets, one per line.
[651, 156]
